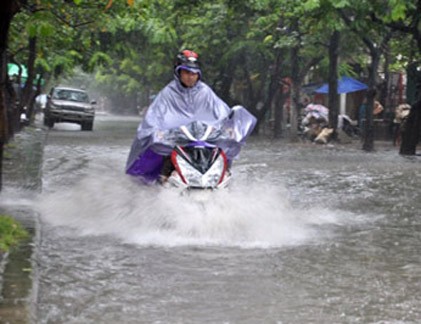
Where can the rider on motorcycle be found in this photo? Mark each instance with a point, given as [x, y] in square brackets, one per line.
[184, 100]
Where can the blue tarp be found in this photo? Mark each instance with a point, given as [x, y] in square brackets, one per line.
[13, 69]
[345, 85]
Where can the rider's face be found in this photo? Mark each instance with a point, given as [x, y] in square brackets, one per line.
[188, 78]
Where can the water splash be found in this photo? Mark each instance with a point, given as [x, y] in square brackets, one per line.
[243, 215]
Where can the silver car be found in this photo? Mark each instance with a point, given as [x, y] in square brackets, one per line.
[69, 105]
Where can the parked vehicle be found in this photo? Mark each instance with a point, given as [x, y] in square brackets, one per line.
[69, 105]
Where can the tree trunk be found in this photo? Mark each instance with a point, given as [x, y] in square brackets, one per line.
[384, 91]
[224, 86]
[368, 133]
[28, 96]
[375, 53]
[274, 86]
[333, 81]
[6, 14]
[7, 10]
[14, 98]
[3, 111]
[295, 93]
[250, 99]
[411, 126]
[279, 110]
[410, 130]
[368, 144]
[11, 107]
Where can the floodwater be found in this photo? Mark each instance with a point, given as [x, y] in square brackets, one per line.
[305, 234]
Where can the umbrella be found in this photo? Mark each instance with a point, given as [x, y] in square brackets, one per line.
[345, 85]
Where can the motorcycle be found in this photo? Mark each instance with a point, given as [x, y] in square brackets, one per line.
[200, 152]
[198, 163]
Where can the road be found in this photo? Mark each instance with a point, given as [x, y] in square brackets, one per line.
[305, 234]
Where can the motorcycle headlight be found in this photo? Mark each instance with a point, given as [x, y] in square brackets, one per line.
[192, 176]
[213, 175]
[195, 178]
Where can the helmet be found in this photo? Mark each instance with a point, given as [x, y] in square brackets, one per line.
[187, 60]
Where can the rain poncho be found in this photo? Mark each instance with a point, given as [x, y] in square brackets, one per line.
[177, 106]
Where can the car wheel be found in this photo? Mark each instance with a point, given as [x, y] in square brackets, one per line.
[49, 122]
[87, 126]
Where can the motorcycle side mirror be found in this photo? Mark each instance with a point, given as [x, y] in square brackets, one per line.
[233, 110]
[231, 114]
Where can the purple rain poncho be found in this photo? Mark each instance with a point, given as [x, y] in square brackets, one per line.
[177, 106]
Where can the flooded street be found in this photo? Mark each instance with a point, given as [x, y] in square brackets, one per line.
[305, 234]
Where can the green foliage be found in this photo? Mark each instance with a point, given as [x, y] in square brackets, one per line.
[403, 47]
[99, 59]
[346, 69]
[398, 10]
[310, 5]
[338, 4]
[130, 45]
[42, 64]
[11, 233]
[39, 24]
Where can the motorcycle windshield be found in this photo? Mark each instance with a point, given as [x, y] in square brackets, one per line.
[231, 133]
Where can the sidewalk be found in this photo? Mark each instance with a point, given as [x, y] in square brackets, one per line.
[23, 160]
[22, 176]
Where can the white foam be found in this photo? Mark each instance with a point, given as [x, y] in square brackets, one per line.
[245, 215]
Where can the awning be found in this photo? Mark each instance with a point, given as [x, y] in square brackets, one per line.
[13, 69]
[345, 85]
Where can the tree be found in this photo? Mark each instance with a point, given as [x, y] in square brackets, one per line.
[405, 18]
[375, 38]
[7, 11]
[333, 79]
[72, 14]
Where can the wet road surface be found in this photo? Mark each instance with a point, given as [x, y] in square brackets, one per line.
[305, 234]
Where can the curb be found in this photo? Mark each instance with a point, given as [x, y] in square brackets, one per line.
[22, 177]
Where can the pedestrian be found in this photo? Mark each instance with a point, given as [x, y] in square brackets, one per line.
[377, 109]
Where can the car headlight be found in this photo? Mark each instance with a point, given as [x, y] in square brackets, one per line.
[90, 110]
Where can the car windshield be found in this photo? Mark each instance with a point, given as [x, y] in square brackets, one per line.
[72, 95]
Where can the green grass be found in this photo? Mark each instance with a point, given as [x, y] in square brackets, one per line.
[11, 233]
[8, 151]
[10, 146]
